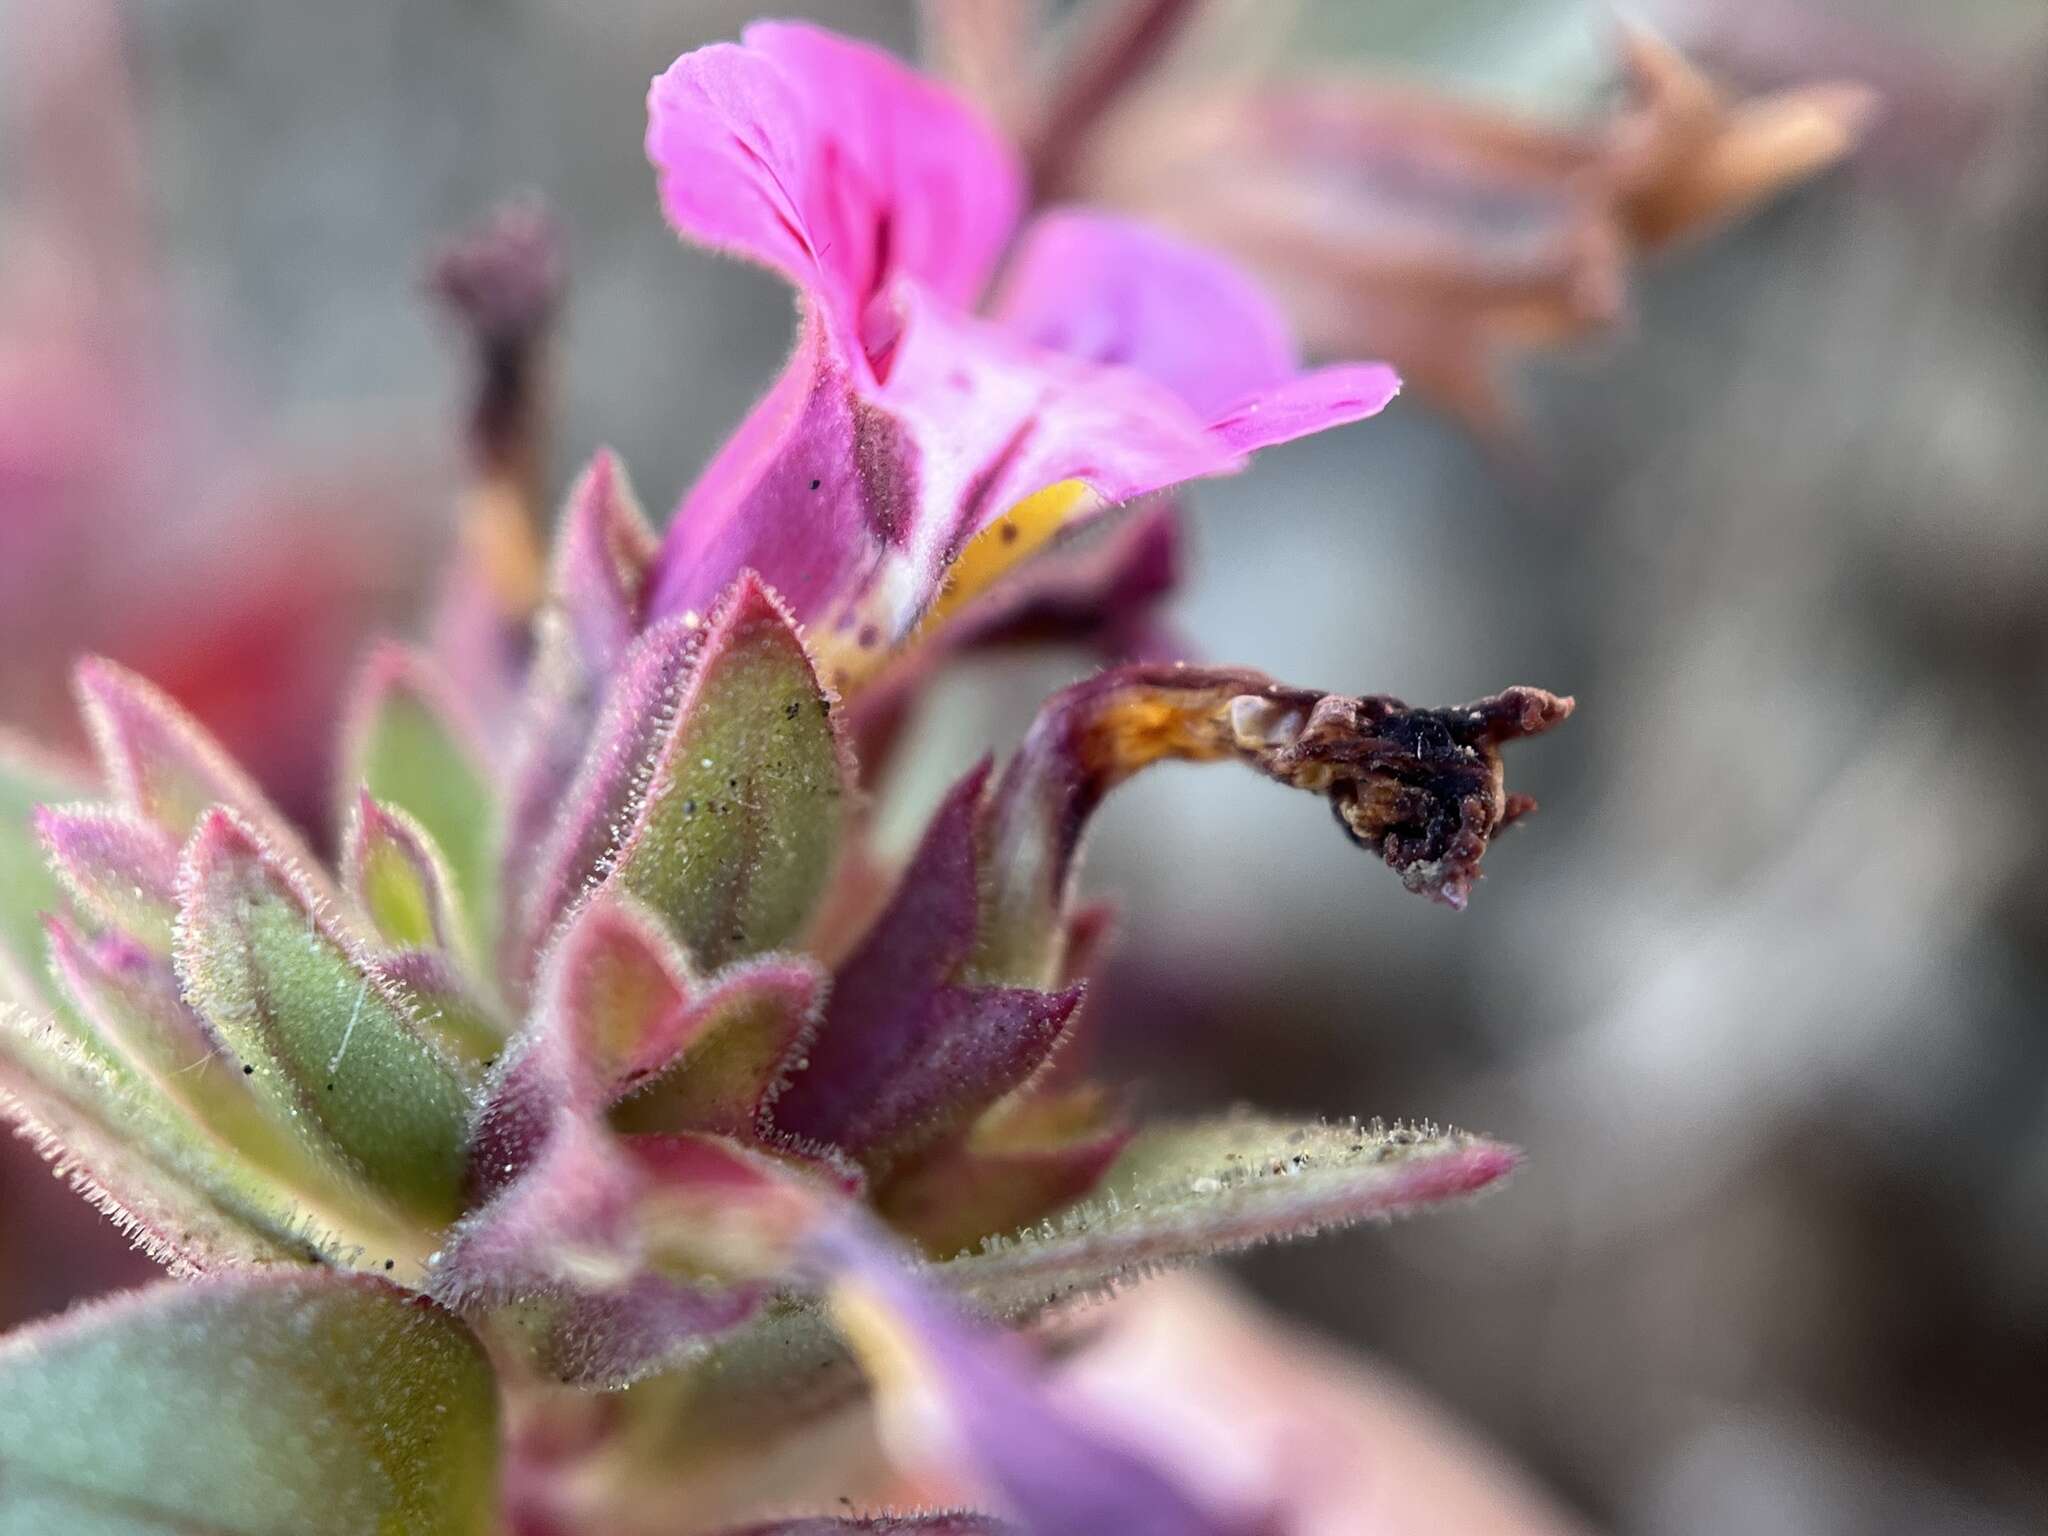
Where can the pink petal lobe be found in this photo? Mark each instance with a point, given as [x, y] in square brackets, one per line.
[1310, 403]
[833, 163]
[1112, 290]
[852, 500]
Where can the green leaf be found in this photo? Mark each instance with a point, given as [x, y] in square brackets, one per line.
[130, 1155]
[1186, 1192]
[258, 1406]
[28, 888]
[737, 834]
[323, 1035]
[405, 746]
[398, 877]
[1181, 1193]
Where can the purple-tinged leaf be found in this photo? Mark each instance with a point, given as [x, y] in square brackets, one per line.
[611, 1008]
[1187, 1192]
[160, 763]
[603, 552]
[592, 817]
[904, 1055]
[957, 1394]
[303, 1403]
[619, 1012]
[1024, 1158]
[173, 1135]
[28, 778]
[605, 1339]
[1181, 1194]
[735, 837]
[963, 1049]
[630, 1250]
[749, 1028]
[324, 1038]
[398, 879]
[408, 743]
[128, 996]
[596, 587]
[122, 871]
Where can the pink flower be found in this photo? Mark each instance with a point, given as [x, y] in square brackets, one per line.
[1108, 361]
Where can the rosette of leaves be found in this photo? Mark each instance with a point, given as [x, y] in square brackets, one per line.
[575, 1041]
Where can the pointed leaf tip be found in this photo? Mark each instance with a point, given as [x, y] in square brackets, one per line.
[310, 1404]
[408, 744]
[163, 766]
[1186, 1192]
[399, 879]
[118, 868]
[740, 824]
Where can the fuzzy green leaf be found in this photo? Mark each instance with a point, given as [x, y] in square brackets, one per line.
[28, 888]
[325, 1037]
[314, 1405]
[741, 822]
[135, 1159]
[404, 745]
[1181, 1193]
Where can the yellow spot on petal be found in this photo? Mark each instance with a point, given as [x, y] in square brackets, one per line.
[852, 645]
[1018, 534]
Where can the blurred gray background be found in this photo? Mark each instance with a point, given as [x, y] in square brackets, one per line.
[1761, 990]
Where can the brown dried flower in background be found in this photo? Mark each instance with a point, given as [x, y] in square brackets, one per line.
[1396, 221]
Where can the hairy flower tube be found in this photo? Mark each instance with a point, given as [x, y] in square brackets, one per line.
[604, 1051]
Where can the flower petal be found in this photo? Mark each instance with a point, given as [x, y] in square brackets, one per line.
[1309, 403]
[833, 163]
[1112, 290]
[952, 1393]
[854, 501]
